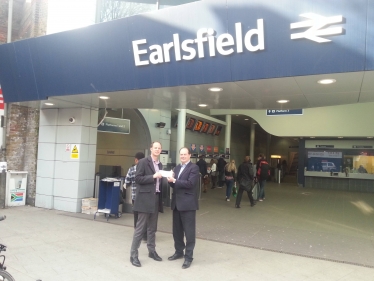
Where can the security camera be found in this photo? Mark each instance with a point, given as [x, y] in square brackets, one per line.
[72, 120]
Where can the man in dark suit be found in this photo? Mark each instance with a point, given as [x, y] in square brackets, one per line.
[147, 203]
[184, 204]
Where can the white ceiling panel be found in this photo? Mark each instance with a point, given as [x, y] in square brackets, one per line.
[345, 82]
[277, 87]
[329, 99]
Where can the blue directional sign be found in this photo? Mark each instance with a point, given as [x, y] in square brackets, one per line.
[114, 125]
[276, 112]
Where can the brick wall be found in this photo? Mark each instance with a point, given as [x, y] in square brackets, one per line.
[29, 20]
[22, 144]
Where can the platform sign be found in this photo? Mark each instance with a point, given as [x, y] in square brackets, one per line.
[114, 125]
[277, 112]
[74, 151]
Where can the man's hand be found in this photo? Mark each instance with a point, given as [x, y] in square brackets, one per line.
[157, 175]
[171, 179]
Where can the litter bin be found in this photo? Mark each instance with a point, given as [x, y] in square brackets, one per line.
[16, 184]
[109, 198]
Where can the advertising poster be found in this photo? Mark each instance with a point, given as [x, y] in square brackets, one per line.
[209, 149]
[324, 161]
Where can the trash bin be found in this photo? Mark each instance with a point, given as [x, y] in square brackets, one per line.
[109, 198]
[16, 184]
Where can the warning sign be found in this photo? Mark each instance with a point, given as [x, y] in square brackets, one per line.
[74, 152]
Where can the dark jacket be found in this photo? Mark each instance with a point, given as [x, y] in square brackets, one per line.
[146, 186]
[185, 189]
[245, 171]
[202, 167]
[221, 164]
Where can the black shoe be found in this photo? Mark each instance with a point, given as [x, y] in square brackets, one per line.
[186, 264]
[252, 204]
[175, 257]
[135, 262]
[154, 256]
[237, 206]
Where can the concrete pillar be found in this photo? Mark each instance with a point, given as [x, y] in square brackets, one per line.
[181, 130]
[63, 179]
[252, 142]
[228, 132]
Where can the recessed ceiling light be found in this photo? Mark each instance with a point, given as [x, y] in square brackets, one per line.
[104, 97]
[49, 103]
[237, 115]
[326, 81]
[312, 137]
[246, 119]
[254, 123]
[215, 89]
[282, 101]
[202, 105]
[369, 137]
[340, 137]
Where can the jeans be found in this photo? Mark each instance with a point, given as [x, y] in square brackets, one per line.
[229, 184]
[262, 189]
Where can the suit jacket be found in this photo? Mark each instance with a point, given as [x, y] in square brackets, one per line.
[146, 186]
[185, 189]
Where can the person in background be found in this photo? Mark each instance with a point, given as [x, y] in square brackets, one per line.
[262, 174]
[230, 172]
[130, 181]
[245, 181]
[206, 179]
[213, 174]
[221, 171]
[148, 202]
[202, 168]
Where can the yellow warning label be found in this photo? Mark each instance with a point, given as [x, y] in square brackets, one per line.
[75, 152]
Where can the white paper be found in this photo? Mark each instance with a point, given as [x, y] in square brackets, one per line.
[166, 174]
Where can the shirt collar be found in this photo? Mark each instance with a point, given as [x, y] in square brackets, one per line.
[184, 165]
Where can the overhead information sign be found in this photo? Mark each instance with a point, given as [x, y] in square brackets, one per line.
[277, 112]
[114, 125]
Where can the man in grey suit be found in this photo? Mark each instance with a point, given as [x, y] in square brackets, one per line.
[148, 202]
[184, 204]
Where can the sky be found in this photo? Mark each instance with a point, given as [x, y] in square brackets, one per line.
[66, 15]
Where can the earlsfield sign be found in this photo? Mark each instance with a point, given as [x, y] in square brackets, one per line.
[225, 44]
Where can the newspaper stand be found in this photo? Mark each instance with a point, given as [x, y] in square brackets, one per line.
[109, 192]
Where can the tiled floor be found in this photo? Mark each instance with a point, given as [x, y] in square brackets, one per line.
[54, 246]
[327, 224]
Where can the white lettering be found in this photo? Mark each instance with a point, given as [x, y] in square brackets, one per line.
[225, 40]
[239, 37]
[156, 57]
[138, 52]
[200, 40]
[167, 48]
[224, 44]
[177, 47]
[260, 37]
[212, 45]
[190, 50]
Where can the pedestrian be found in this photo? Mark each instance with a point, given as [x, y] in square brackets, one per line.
[206, 179]
[184, 204]
[262, 174]
[203, 169]
[221, 171]
[148, 202]
[213, 174]
[130, 182]
[230, 172]
[245, 180]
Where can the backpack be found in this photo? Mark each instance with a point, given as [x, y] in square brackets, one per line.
[263, 171]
